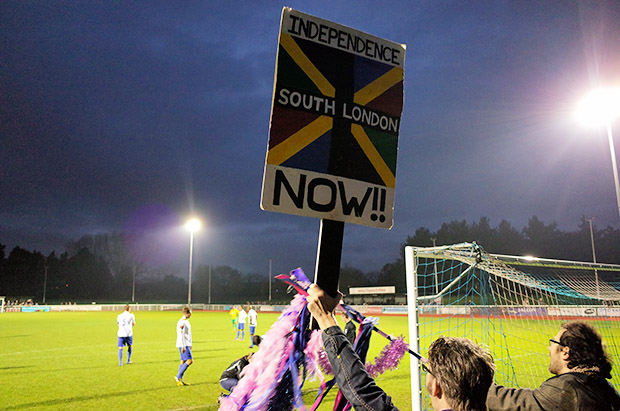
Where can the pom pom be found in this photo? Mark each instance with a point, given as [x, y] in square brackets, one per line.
[389, 357]
[260, 377]
[316, 356]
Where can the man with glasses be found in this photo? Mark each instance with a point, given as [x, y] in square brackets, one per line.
[459, 372]
[581, 367]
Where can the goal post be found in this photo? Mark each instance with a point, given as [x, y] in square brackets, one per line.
[511, 304]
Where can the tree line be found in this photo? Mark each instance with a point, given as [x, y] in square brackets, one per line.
[101, 268]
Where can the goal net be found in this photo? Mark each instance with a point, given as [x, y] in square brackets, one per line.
[511, 304]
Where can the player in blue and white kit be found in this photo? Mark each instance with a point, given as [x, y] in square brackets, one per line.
[184, 344]
[126, 321]
[252, 322]
[241, 324]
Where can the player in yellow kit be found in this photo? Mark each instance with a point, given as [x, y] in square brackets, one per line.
[234, 313]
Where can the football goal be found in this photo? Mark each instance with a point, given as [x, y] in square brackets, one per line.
[511, 304]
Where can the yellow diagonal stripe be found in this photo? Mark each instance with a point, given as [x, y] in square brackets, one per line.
[292, 145]
[306, 65]
[373, 155]
[379, 86]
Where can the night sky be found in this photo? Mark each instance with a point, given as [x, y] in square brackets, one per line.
[119, 116]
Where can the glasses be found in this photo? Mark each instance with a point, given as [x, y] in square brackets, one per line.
[425, 369]
[551, 340]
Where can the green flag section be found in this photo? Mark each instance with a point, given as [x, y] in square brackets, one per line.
[335, 119]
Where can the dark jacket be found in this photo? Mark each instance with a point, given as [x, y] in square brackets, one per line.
[234, 369]
[351, 376]
[564, 392]
[350, 331]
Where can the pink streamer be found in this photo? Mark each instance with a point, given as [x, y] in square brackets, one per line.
[389, 357]
[260, 377]
[316, 357]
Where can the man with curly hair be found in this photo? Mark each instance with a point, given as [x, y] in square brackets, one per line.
[581, 367]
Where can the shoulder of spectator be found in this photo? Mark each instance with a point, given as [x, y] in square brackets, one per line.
[333, 330]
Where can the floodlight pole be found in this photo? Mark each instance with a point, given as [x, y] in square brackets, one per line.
[270, 280]
[45, 285]
[192, 225]
[133, 285]
[614, 165]
[598, 289]
[600, 107]
[191, 252]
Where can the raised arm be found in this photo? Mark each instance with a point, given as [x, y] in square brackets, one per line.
[356, 385]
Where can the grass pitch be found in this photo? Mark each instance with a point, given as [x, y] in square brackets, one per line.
[69, 360]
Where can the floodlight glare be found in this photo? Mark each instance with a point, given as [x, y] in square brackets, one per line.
[193, 225]
[600, 107]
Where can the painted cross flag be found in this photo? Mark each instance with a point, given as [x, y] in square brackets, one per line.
[333, 139]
